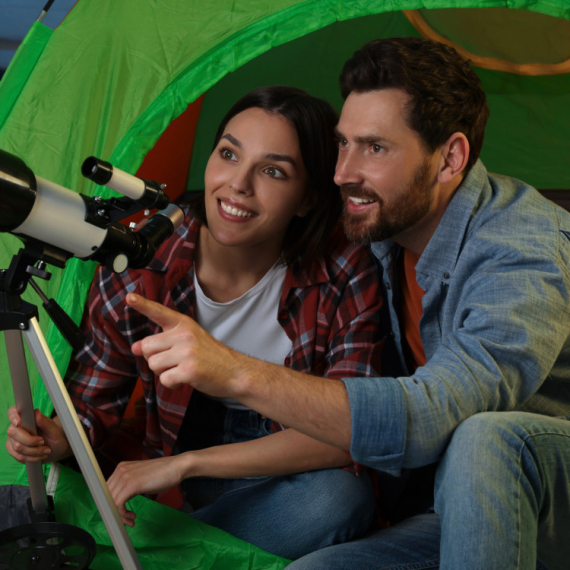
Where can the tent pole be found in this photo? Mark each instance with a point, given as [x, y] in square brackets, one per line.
[45, 10]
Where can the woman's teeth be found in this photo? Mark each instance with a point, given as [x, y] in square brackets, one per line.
[234, 211]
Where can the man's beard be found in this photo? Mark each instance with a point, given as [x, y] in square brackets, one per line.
[412, 204]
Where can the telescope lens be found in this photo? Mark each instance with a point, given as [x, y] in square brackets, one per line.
[17, 191]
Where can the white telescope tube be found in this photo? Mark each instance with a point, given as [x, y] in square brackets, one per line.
[58, 218]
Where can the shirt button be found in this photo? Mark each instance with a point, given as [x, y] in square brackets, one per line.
[284, 315]
[446, 275]
[387, 286]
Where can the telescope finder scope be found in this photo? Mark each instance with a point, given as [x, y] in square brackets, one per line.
[147, 193]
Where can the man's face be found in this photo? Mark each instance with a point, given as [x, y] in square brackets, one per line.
[386, 176]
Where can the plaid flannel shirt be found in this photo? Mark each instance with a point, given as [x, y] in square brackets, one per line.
[330, 312]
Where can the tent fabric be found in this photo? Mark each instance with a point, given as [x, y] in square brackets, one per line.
[115, 74]
[526, 134]
[498, 64]
[517, 36]
[163, 538]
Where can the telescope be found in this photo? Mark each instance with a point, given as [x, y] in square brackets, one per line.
[55, 224]
[68, 224]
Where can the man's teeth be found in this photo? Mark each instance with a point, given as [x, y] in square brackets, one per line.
[361, 200]
[234, 211]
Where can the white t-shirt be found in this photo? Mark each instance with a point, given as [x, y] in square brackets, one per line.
[249, 323]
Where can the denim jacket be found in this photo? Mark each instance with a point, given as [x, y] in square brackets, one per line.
[495, 324]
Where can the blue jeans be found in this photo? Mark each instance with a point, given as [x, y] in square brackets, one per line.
[291, 515]
[503, 497]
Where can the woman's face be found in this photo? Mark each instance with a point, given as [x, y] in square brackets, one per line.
[255, 181]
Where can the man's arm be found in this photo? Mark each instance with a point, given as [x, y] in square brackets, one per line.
[504, 322]
[503, 334]
[184, 353]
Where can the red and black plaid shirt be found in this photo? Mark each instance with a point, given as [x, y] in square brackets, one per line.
[330, 313]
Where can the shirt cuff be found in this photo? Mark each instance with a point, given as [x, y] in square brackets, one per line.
[379, 419]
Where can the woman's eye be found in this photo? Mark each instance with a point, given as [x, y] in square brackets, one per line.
[227, 154]
[274, 172]
[342, 142]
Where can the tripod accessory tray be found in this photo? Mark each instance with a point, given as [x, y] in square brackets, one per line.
[44, 546]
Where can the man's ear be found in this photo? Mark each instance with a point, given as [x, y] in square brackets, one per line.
[454, 156]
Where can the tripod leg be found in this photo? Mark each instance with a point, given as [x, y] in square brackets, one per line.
[25, 407]
[80, 445]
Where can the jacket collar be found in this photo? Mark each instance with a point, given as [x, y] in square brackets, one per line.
[440, 256]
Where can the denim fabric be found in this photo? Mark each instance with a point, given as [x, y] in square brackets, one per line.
[290, 515]
[410, 545]
[502, 491]
[495, 329]
[495, 324]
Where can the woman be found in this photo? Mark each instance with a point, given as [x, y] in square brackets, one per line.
[261, 264]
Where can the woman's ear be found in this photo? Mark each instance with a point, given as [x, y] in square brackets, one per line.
[454, 157]
[308, 203]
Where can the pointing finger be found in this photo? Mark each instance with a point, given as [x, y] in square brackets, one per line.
[162, 316]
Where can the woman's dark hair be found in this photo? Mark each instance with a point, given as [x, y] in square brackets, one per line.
[445, 93]
[314, 121]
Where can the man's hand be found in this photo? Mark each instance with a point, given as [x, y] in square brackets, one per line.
[132, 478]
[184, 353]
[49, 445]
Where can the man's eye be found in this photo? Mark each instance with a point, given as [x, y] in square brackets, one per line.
[274, 172]
[376, 148]
[342, 142]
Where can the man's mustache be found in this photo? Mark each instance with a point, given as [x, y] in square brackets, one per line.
[354, 190]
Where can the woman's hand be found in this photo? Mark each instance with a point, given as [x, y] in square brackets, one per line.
[133, 478]
[49, 445]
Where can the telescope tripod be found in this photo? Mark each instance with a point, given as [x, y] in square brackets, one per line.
[44, 543]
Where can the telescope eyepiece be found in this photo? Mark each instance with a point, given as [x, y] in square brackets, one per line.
[97, 170]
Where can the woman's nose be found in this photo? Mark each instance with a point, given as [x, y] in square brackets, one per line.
[241, 182]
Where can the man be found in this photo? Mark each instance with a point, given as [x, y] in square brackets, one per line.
[476, 279]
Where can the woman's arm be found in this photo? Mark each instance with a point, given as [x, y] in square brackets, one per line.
[281, 453]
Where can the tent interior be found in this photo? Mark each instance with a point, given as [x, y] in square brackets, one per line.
[146, 93]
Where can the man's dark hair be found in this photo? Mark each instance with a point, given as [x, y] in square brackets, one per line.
[314, 121]
[445, 93]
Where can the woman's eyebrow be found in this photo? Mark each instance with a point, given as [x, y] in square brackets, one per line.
[232, 139]
[280, 157]
[270, 156]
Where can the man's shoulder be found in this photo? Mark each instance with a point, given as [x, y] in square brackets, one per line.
[509, 204]
[511, 218]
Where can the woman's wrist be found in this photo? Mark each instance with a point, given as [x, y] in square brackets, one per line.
[191, 465]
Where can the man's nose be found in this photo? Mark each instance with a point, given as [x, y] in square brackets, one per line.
[348, 169]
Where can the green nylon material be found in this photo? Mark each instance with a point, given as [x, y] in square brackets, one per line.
[115, 73]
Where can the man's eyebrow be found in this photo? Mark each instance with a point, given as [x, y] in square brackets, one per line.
[372, 138]
[232, 139]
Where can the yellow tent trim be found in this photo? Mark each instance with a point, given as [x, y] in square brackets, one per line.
[419, 23]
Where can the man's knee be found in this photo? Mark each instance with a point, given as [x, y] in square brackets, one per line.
[482, 431]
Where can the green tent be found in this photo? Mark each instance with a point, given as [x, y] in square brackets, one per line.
[116, 73]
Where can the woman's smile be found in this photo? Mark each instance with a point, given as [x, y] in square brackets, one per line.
[232, 211]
